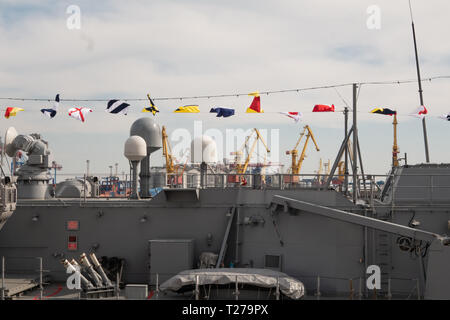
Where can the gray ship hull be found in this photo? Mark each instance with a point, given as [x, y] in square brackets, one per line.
[306, 246]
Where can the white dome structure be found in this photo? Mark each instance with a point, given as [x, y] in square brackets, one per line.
[203, 149]
[150, 131]
[135, 148]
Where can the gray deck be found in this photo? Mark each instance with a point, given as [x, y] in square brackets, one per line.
[18, 284]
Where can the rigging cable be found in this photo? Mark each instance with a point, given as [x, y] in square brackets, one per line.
[235, 94]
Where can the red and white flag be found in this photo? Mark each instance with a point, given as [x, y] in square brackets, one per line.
[420, 112]
[79, 113]
[293, 115]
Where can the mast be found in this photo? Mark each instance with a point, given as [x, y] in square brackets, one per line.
[346, 154]
[424, 125]
[355, 187]
[395, 146]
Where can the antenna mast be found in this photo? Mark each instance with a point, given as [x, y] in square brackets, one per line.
[424, 125]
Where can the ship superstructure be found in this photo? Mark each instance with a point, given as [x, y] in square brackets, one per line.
[308, 228]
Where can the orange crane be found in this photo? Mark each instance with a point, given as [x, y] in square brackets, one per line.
[171, 168]
[297, 165]
[341, 164]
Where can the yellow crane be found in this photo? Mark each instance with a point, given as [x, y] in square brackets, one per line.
[171, 168]
[341, 171]
[241, 168]
[395, 150]
[341, 164]
[297, 165]
[167, 152]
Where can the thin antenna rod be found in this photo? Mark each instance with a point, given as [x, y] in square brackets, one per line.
[424, 125]
[410, 10]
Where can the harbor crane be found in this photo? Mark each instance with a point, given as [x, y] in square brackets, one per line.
[167, 152]
[323, 168]
[341, 164]
[297, 165]
[241, 168]
[171, 168]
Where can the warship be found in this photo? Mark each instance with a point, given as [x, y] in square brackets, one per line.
[208, 235]
[224, 231]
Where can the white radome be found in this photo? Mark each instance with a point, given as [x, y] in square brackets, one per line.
[135, 148]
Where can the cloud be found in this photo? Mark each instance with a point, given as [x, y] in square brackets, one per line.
[185, 48]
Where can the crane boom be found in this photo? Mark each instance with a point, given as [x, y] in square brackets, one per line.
[297, 165]
[167, 152]
[300, 138]
[242, 168]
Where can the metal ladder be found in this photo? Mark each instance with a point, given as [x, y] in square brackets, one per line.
[384, 254]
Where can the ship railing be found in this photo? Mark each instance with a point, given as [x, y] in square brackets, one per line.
[370, 186]
[355, 288]
[252, 181]
[316, 287]
[15, 279]
[418, 187]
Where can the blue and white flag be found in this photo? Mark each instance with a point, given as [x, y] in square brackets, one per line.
[445, 116]
[51, 112]
[117, 106]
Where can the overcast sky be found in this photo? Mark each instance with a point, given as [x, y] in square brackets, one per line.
[126, 49]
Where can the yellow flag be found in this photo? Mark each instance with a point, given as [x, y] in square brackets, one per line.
[188, 109]
[153, 108]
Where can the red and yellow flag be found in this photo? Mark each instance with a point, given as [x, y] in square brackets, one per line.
[255, 107]
[12, 111]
